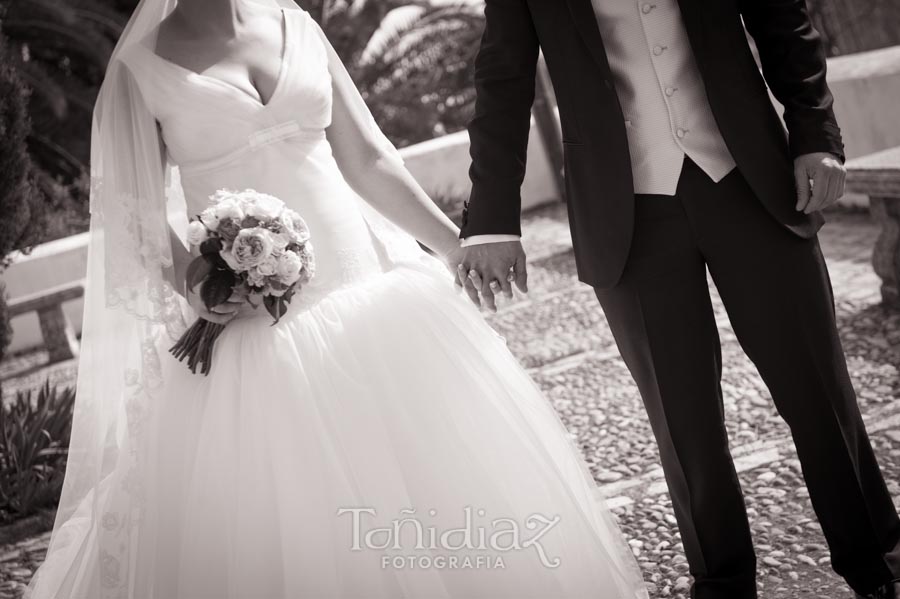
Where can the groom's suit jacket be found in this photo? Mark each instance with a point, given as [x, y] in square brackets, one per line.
[599, 184]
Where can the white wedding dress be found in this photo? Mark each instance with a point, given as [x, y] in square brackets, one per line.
[381, 390]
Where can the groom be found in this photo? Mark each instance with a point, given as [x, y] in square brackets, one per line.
[676, 162]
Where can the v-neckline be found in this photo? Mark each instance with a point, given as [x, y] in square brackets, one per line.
[256, 100]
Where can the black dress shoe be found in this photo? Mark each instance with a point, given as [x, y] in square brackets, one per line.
[889, 591]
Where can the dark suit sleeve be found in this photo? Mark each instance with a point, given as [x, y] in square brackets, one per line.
[504, 84]
[793, 63]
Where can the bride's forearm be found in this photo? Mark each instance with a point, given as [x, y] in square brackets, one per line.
[393, 191]
[383, 181]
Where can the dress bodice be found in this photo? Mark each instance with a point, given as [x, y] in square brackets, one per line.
[220, 137]
[204, 119]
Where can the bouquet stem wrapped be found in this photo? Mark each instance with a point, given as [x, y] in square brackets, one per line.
[196, 344]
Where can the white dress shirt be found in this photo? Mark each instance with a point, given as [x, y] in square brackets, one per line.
[667, 114]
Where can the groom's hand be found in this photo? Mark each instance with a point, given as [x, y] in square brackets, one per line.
[820, 181]
[490, 268]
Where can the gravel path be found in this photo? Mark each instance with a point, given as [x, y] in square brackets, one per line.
[559, 332]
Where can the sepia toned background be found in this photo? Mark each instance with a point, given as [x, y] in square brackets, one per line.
[413, 61]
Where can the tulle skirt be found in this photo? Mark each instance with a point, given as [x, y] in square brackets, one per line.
[382, 442]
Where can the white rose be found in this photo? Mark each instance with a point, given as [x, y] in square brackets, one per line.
[294, 225]
[268, 266]
[255, 278]
[230, 208]
[197, 233]
[251, 247]
[222, 195]
[289, 267]
[210, 218]
[280, 241]
[265, 207]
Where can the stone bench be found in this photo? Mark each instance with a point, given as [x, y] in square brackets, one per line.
[57, 331]
[878, 176]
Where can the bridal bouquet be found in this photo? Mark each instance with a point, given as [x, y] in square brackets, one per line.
[252, 246]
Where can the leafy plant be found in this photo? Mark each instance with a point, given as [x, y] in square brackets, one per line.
[22, 206]
[34, 441]
[58, 50]
[413, 60]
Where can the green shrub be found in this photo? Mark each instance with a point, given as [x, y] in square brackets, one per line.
[34, 442]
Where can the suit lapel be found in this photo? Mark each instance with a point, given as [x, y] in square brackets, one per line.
[586, 22]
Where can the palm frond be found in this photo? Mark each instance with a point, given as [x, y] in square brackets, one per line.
[48, 153]
[392, 28]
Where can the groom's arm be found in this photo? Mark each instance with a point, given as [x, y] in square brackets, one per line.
[504, 84]
[793, 63]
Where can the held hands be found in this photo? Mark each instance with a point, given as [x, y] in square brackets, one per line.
[486, 270]
[820, 181]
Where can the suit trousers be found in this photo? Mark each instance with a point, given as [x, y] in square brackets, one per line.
[778, 297]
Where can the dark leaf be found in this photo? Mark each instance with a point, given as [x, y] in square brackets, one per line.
[218, 261]
[213, 245]
[197, 270]
[217, 288]
[276, 307]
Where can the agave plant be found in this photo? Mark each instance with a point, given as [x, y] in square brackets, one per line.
[34, 441]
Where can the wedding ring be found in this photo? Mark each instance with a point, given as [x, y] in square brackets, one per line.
[495, 285]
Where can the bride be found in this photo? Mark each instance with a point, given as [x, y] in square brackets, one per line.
[379, 441]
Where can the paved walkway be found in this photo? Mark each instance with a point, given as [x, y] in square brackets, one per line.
[560, 334]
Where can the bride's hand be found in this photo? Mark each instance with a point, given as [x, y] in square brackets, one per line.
[452, 258]
[220, 314]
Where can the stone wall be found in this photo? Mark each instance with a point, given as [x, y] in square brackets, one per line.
[866, 89]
